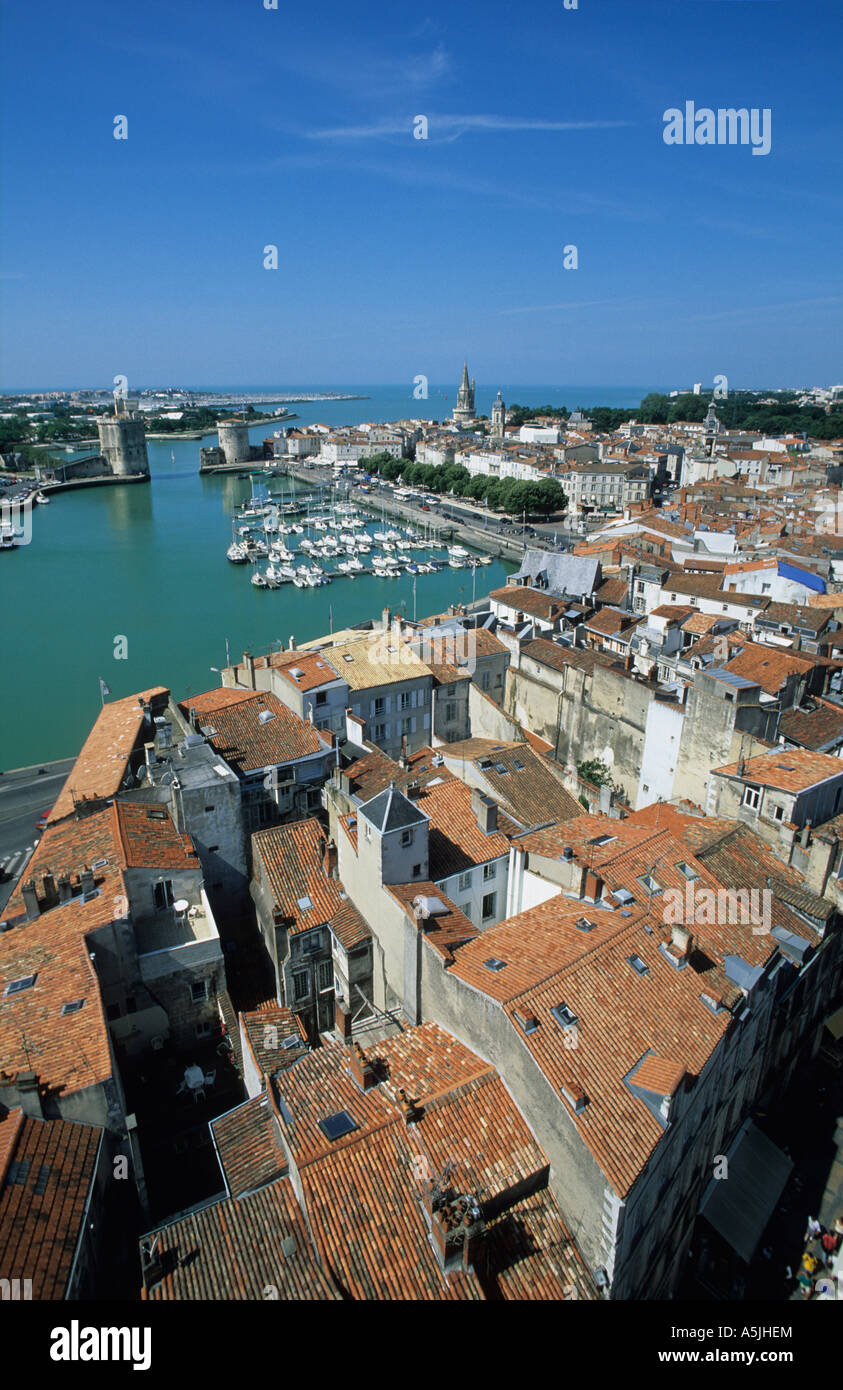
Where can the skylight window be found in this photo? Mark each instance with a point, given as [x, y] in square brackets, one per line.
[286, 1112]
[639, 966]
[346, 657]
[339, 1124]
[305, 903]
[500, 769]
[565, 1016]
[18, 1172]
[519, 766]
[17, 986]
[603, 840]
[265, 716]
[583, 924]
[292, 1041]
[72, 1008]
[494, 964]
[41, 1181]
[651, 884]
[687, 871]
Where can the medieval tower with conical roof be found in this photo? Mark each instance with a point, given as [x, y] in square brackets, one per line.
[464, 408]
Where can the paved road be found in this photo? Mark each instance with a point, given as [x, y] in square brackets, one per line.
[24, 795]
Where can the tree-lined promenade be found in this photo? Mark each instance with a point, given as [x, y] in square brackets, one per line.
[500, 495]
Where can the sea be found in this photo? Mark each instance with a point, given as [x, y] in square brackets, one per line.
[131, 585]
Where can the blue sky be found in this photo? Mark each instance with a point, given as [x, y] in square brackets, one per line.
[398, 256]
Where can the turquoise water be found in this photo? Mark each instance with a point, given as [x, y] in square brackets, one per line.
[146, 563]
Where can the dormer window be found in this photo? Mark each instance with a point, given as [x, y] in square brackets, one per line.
[565, 1016]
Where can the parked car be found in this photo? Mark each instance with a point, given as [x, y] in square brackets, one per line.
[41, 823]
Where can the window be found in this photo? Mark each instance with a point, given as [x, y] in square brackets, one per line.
[406, 838]
[199, 990]
[208, 810]
[466, 908]
[752, 797]
[301, 984]
[689, 873]
[379, 705]
[405, 699]
[565, 1016]
[450, 713]
[204, 1029]
[452, 689]
[777, 812]
[639, 966]
[489, 905]
[72, 1008]
[337, 1125]
[485, 681]
[321, 697]
[494, 964]
[16, 986]
[417, 871]
[379, 733]
[312, 942]
[489, 871]
[112, 1011]
[326, 975]
[465, 880]
[162, 894]
[651, 884]
[406, 726]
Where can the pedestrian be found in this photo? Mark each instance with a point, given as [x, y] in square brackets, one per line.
[814, 1230]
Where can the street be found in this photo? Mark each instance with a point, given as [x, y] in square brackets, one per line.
[24, 795]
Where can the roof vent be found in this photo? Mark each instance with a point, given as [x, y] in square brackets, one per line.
[265, 716]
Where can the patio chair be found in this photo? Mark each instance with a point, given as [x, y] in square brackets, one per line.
[198, 1095]
[210, 1077]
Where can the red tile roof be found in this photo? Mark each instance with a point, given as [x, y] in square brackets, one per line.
[248, 743]
[101, 765]
[41, 1217]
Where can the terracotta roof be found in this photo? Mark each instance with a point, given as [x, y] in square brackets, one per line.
[311, 671]
[553, 654]
[445, 931]
[374, 772]
[248, 743]
[266, 1030]
[149, 841]
[620, 1015]
[291, 856]
[70, 1052]
[247, 1144]
[518, 777]
[240, 1250]
[790, 770]
[611, 621]
[100, 768]
[43, 1199]
[813, 729]
[535, 602]
[455, 840]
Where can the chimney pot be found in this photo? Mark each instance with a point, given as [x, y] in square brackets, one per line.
[30, 899]
[65, 892]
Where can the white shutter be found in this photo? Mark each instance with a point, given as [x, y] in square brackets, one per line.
[427, 721]
[413, 725]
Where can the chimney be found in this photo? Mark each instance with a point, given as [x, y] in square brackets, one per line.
[49, 893]
[149, 755]
[806, 834]
[147, 712]
[292, 646]
[362, 1070]
[249, 670]
[593, 886]
[29, 1096]
[177, 806]
[486, 811]
[342, 1021]
[65, 892]
[163, 734]
[194, 719]
[404, 761]
[386, 618]
[682, 939]
[329, 859]
[86, 880]
[741, 766]
[30, 900]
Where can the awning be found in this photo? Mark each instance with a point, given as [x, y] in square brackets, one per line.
[834, 1024]
[739, 1206]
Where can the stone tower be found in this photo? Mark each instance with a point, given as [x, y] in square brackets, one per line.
[123, 439]
[464, 408]
[498, 417]
[234, 440]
